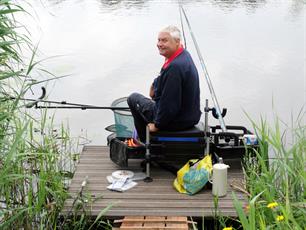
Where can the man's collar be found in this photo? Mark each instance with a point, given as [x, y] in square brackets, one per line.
[169, 60]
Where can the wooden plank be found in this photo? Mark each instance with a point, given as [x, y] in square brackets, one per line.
[154, 222]
[162, 186]
[153, 228]
[162, 192]
[194, 212]
[101, 179]
[157, 204]
[154, 196]
[102, 173]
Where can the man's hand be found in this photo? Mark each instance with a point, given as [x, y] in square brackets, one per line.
[151, 93]
[152, 127]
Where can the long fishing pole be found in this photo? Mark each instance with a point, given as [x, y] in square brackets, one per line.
[82, 107]
[61, 104]
[69, 105]
[211, 89]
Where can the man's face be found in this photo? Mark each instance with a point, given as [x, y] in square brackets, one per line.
[167, 45]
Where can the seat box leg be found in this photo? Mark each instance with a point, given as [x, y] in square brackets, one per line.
[148, 176]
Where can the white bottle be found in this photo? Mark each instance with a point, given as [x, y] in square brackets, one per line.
[219, 178]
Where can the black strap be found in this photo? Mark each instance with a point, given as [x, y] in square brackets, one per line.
[169, 167]
[193, 163]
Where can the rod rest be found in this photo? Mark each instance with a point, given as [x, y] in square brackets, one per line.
[216, 115]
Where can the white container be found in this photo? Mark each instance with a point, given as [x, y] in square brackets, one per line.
[219, 179]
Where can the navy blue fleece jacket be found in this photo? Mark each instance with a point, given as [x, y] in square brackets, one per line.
[177, 95]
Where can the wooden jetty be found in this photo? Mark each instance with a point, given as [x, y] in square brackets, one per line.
[157, 198]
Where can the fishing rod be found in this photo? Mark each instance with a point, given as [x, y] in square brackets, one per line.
[62, 104]
[217, 111]
[182, 25]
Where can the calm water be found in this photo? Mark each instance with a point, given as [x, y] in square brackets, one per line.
[254, 52]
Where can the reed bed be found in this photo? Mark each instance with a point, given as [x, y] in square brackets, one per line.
[37, 158]
[276, 184]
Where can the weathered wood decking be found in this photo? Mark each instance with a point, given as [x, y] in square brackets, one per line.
[157, 198]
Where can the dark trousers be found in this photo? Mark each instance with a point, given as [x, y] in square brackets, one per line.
[142, 109]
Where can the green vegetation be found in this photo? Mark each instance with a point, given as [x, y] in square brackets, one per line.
[277, 186]
[37, 159]
[31, 151]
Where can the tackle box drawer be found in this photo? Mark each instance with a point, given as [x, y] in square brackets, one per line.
[120, 152]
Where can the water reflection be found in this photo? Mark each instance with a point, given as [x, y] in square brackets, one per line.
[56, 2]
[229, 5]
[109, 4]
[122, 5]
[297, 7]
[225, 5]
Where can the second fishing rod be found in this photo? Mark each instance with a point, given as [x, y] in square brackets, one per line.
[35, 103]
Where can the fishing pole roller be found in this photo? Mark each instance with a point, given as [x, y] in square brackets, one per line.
[216, 115]
[214, 112]
[43, 94]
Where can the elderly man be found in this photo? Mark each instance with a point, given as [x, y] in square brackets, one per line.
[175, 93]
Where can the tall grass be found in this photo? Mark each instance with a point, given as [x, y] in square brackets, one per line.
[31, 188]
[36, 158]
[277, 185]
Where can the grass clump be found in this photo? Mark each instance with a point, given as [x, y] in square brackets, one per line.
[277, 183]
[37, 158]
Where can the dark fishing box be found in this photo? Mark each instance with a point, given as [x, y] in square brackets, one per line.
[231, 145]
[120, 152]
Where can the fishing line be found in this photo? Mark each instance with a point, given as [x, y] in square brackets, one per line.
[211, 89]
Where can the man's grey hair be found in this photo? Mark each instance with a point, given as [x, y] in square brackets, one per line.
[173, 31]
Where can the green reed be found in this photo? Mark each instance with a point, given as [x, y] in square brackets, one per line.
[37, 158]
[277, 184]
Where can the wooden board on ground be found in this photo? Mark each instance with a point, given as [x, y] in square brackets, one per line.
[154, 222]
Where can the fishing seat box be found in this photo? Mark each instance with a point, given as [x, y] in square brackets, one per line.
[178, 146]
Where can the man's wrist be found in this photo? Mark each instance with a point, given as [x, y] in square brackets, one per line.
[152, 127]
